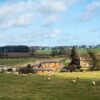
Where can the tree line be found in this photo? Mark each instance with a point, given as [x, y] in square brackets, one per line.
[8, 49]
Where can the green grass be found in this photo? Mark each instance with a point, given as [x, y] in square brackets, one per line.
[60, 87]
[84, 50]
[14, 62]
[65, 63]
[44, 51]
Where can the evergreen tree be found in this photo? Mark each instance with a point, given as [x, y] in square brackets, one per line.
[93, 58]
[75, 60]
[73, 54]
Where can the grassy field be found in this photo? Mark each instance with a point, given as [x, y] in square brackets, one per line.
[15, 62]
[84, 50]
[44, 51]
[59, 87]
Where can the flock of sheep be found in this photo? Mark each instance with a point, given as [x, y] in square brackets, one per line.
[49, 76]
[93, 82]
[73, 81]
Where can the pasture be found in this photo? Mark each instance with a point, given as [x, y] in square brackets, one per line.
[58, 87]
[44, 51]
[83, 51]
[16, 62]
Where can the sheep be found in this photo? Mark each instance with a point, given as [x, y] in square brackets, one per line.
[24, 75]
[29, 73]
[93, 83]
[73, 81]
[49, 75]
[53, 74]
[14, 69]
[15, 73]
[49, 78]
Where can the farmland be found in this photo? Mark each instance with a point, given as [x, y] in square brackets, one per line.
[23, 61]
[62, 86]
[59, 87]
[16, 62]
[44, 51]
[83, 51]
[49, 49]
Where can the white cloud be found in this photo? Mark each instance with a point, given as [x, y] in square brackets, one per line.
[90, 10]
[56, 32]
[52, 8]
[14, 8]
[24, 20]
[12, 14]
[93, 6]
[22, 12]
[50, 19]
[55, 6]
[39, 35]
[52, 34]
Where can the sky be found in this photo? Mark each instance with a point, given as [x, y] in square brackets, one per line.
[49, 22]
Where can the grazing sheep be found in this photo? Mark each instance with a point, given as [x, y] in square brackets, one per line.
[0, 70]
[73, 81]
[29, 73]
[49, 75]
[52, 74]
[15, 73]
[93, 83]
[49, 78]
[24, 75]
[14, 69]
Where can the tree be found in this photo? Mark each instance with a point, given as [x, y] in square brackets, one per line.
[93, 59]
[75, 60]
[19, 48]
[63, 51]
[54, 52]
[73, 53]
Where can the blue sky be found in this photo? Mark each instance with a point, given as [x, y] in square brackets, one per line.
[49, 22]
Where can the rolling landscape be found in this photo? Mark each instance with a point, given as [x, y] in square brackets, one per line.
[49, 49]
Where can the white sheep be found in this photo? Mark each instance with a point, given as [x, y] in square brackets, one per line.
[24, 75]
[49, 78]
[29, 73]
[73, 81]
[93, 83]
[15, 73]
[49, 75]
